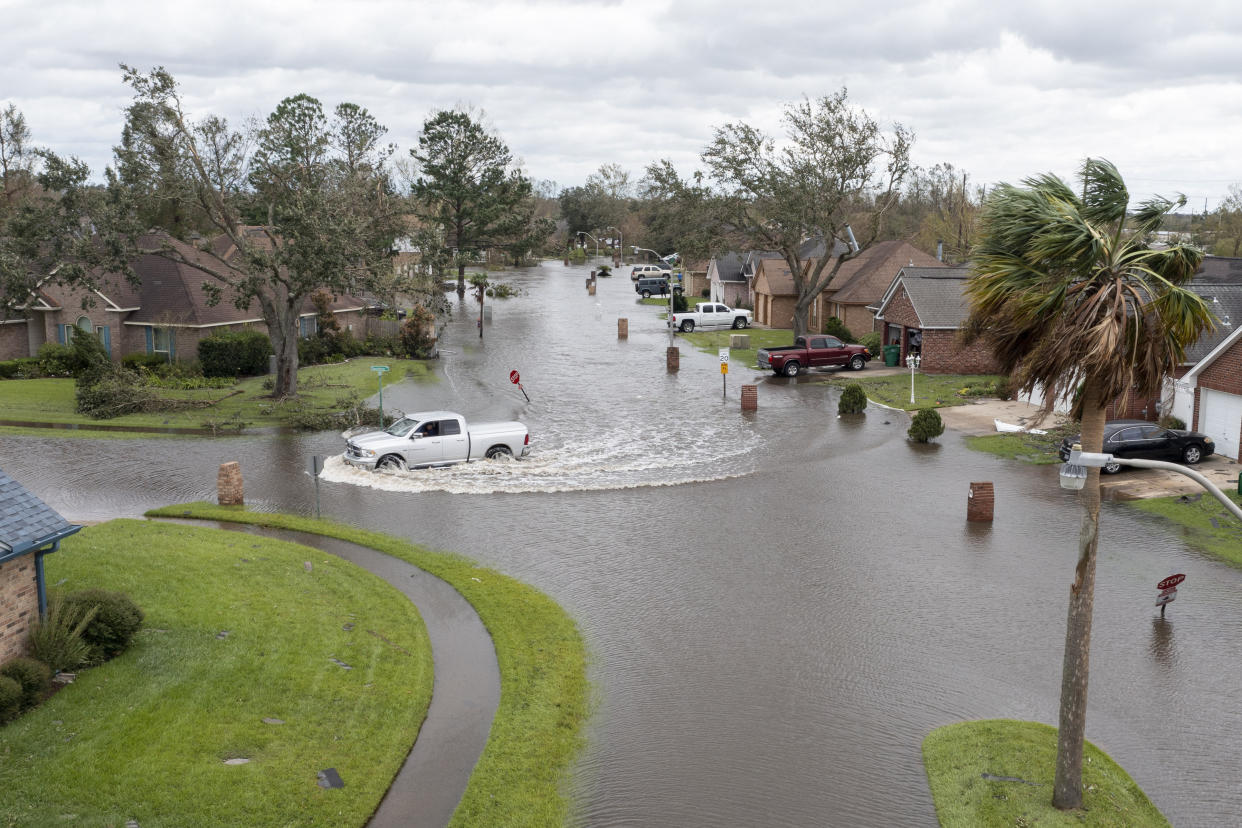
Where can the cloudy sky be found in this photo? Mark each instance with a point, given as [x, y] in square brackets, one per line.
[1001, 90]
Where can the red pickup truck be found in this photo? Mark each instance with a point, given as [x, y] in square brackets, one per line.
[813, 352]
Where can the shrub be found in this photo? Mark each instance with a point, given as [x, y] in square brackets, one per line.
[10, 699]
[117, 619]
[21, 368]
[1004, 388]
[151, 361]
[416, 339]
[926, 425]
[871, 341]
[56, 359]
[56, 640]
[1169, 421]
[706, 293]
[680, 305]
[853, 400]
[88, 354]
[235, 353]
[835, 327]
[113, 394]
[34, 676]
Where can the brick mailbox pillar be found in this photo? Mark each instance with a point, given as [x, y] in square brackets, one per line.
[591, 288]
[672, 359]
[229, 489]
[623, 329]
[750, 397]
[979, 503]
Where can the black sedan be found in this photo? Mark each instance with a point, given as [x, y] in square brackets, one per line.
[1148, 441]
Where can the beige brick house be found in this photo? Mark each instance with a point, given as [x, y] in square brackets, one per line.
[29, 529]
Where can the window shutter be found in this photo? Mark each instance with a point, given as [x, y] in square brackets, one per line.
[60, 334]
[150, 340]
[172, 344]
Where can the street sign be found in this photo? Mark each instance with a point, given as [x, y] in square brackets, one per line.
[1164, 599]
[1169, 591]
[515, 377]
[1171, 581]
[724, 360]
[379, 369]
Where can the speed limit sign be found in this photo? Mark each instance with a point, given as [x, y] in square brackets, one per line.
[724, 360]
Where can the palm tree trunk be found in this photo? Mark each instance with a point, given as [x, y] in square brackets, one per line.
[1067, 788]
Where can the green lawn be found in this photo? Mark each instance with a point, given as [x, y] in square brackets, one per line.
[957, 758]
[930, 390]
[1224, 540]
[712, 341]
[521, 778]
[145, 736]
[1037, 449]
[319, 387]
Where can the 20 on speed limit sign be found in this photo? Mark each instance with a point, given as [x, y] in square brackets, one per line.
[724, 360]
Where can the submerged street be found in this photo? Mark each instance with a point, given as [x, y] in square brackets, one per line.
[779, 606]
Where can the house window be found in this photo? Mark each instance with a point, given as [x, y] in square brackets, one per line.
[85, 324]
[161, 342]
[308, 326]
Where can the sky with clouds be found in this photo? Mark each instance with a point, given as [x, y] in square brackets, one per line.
[1001, 90]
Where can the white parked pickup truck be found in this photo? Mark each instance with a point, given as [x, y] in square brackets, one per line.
[435, 438]
[711, 315]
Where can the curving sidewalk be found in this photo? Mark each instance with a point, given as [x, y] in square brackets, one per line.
[465, 696]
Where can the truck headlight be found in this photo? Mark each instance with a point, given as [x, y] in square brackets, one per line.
[368, 452]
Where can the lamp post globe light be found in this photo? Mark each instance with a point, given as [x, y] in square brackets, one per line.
[1073, 474]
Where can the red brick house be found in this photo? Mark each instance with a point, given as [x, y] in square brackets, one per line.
[29, 529]
[166, 313]
[774, 293]
[862, 281]
[1207, 393]
[928, 303]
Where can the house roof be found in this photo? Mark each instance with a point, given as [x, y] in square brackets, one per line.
[864, 278]
[1225, 303]
[728, 267]
[26, 522]
[1220, 270]
[750, 265]
[773, 277]
[936, 294]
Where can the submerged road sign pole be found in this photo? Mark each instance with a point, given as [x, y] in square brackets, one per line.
[724, 374]
[379, 375]
[516, 379]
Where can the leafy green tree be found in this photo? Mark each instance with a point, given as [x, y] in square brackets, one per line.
[48, 210]
[925, 425]
[835, 170]
[318, 189]
[680, 214]
[469, 194]
[1070, 295]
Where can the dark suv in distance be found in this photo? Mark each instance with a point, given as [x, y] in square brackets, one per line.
[1147, 441]
[648, 287]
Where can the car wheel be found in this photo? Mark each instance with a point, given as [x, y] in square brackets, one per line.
[646, 294]
[499, 452]
[858, 363]
[1111, 467]
[392, 462]
[1192, 454]
[739, 323]
[687, 326]
[792, 368]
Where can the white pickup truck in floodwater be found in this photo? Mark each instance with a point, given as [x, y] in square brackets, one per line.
[435, 438]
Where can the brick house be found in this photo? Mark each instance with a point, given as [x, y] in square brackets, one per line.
[726, 281]
[29, 529]
[930, 302]
[166, 313]
[862, 281]
[774, 293]
[1207, 391]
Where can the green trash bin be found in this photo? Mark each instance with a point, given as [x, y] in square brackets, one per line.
[891, 354]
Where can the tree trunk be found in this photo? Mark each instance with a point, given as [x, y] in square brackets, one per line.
[1067, 788]
[461, 279]
[281, 315]
[801, 312]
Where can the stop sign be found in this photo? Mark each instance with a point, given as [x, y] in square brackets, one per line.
[1171, 581]
[515, 377]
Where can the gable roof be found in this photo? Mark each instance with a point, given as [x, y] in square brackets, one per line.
[936, 293]
[728, 267]
[1225, 303]
[1220, 270]
[772, 277]
[864, 278]
[26, 522]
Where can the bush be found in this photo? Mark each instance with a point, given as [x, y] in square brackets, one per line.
[56, 640]
[416, 339]
[235, 354]
[853, 400]
[10, 699]
[926, 425]
[835, 327]
[1169, 421]
[151, 361]
[871, 341]
[1004, 388]
[21, 368]
[89, 355]
[114, 394]
[706, 293]
[56, 359]
[117, 619]
[34, 676]
[680, 305]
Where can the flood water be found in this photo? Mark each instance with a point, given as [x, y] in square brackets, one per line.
[779, 606]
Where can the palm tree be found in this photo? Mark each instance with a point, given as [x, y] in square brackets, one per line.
[1072, 298]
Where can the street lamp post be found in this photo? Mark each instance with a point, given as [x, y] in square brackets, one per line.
[913, 361]
[1074, 473]
[585, 233]
[620, 241]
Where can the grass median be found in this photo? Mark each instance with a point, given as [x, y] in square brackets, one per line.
[1000, 772]
[520, 780]
[1206, 524]
[240, 657]
[930, 390]
[320, 388]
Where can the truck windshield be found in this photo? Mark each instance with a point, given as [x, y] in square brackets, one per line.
[401, 427]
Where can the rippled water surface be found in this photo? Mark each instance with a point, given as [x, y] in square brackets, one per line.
[779, 606]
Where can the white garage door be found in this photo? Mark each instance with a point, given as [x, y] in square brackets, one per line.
[1220, 417]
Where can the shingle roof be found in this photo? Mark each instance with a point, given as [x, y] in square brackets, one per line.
[864, 279]
[1225, 303]
[26, 522]
[729, 267]
[1221, 270]
[936, 294]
